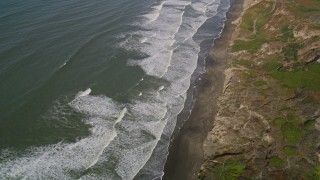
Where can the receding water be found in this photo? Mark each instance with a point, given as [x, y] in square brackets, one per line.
[92, 89]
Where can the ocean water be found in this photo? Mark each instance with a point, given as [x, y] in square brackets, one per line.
[92, 89]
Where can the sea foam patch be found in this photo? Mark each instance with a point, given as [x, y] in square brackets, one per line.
[84, 93]
[59, 160]
[160, 33]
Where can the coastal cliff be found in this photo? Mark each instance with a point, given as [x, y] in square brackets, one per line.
[267, 124]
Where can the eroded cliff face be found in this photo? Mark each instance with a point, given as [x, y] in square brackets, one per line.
[268, 120]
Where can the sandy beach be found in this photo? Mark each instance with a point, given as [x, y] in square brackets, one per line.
[186, 152]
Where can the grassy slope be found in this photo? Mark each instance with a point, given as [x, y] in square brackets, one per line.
[279, 74]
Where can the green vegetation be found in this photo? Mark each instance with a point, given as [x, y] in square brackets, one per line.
[247, 23]
[314, 26]
[303, 10]
[279, 121]
[245, 63]
[229, 171]
[306, 9]
[251, 46]
[259, 13]
[317, 172]
[289, 150]
[260, 83]
[291, 51]
[313, 174]
[292, 133]
[308, 78]
[271, 65]
[283, 107]
[250, 74]
[287, 33]
[315, 38]
[252, 23]
[276, 162]
[309, 125]
[290, 116]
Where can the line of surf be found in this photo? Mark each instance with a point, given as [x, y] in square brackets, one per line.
[121, 115]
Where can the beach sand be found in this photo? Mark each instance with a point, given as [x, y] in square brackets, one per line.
[186, 151]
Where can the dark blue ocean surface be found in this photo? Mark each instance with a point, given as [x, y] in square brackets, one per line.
[92, 89]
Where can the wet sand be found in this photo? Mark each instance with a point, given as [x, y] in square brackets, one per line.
[186, 151]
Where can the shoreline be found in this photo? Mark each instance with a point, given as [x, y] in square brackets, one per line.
[186, 153]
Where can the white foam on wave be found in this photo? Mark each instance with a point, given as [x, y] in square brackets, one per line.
[148, 117]
[160, 88]
[138, 134]
[172, 27]
[143, 40]
[129, 143]
[153, 169]
[199, 6]
[129, 170]
[56, 161]
[83, 93]
[184, 60]
[121, 115]
[212, 8]
[161, 38]
[62, 65]
[159, 7]
[154, 13]
[152, 16]
[148, 111]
